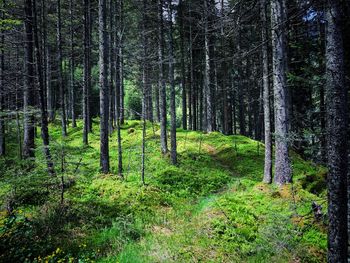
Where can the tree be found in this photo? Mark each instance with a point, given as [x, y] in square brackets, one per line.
[29, 89]
[183, 69]
[71, 64]
[118, 83]
[103, 84]
[173, 152]
[87, 72]
[161, 81]
[2, 90]
[278, 24]
[266, 95]
[41, 84]
[60, 69]
[337, 125]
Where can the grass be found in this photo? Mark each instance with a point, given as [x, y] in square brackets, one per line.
[210, 208]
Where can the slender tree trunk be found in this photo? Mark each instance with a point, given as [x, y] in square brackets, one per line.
[157, 91]
[103, 83]
[192, 105]
[2, 91]
[60, 69]
[46, 64]
[173, 152]
[323, 143]
[41, 84]
[282, 162]
[121, 55]
[207, 69]
[72, 89]
[49, 91]
[240, 92]
[118, 85]
[118, 81]
[162, 85]
[266, 95]
[86, 77]
[29, 89]
[112, 50]
[183, 70]
[337, 125]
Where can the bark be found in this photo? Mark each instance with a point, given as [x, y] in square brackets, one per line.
[337, 125]
[162, 86]
[173, 152]
[60, 69]
[103, 83]
[266, 95]
[29, 90]
[282, 162]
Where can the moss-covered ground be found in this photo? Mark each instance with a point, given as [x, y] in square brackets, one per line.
[211, 207]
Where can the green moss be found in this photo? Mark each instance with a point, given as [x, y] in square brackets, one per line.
[210, 208]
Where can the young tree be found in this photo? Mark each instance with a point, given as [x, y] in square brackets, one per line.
[278, 24]
[87, 72]
[266, 94]
[29, 89]
[183, 70]
[337, 125]
[60, 69]
[118, 83]
[161, 80]
[173, 152]
[41, 84]
[2, 90]
[71, 64]
[103, 83]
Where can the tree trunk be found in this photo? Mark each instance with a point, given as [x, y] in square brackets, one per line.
[266, 95]
[112, 49]
[173, 152]
[44, 117]
[162, 86]
[72, 90]
[29, 89]
[118, 85]
[121, 56]
[183, 70]
[60, 69]
[207, 69]
[282, 162]
[87, 73]
[2, 92]
[337, 125]
[103, 83]
[191, 98]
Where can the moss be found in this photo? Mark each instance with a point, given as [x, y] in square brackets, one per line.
[212, 207]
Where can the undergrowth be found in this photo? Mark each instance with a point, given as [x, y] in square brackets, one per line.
[211, 207]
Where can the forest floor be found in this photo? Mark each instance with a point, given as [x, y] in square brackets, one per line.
[211, 207]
